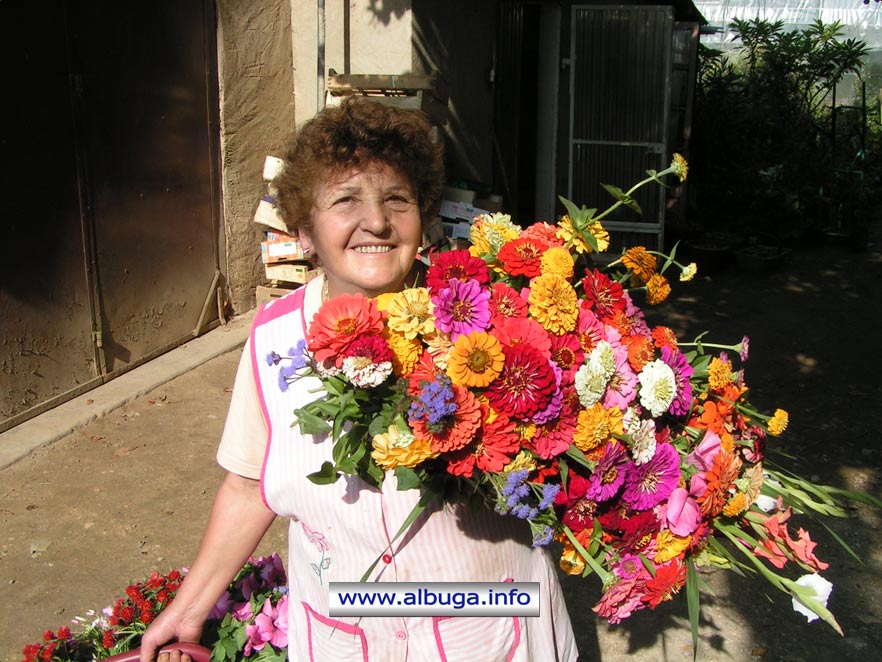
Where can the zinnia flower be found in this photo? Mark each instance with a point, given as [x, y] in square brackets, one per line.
[641, 263]
[553, 303]
[526, 384]
[778, 422]
[454, 431]
[367, 362]
[679, 364]
[595, 426]
[658, 387]
[609, 474]
[679, 167]
[410, 313]
[602, 294]
[340, 321]
[657, 289]
[669, 579]
[521, 257]
[476, 360]
[459, 264]
[505, 303]
[647, 485]
[397, 447]
[688, 272]
[461, 308]
[558, 260]
[719, 374]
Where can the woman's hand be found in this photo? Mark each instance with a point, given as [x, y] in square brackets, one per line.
[169, 626]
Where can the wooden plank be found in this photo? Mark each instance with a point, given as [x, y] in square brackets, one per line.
[386, 84]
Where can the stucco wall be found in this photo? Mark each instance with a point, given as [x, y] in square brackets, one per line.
[360, 38]
[257, 114]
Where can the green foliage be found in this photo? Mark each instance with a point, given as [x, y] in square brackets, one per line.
[762, 120]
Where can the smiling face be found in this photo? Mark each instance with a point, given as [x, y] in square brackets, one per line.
[365, 228]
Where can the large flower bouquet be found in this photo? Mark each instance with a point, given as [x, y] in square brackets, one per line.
[249, 622]
[524, 373]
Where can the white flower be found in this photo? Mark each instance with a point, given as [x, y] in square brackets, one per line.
[590, 382]
[327, 369]
[764, 502]
[822, 589]
[658, 386]
[688, 272]
[603, 359]
[364, 373]
[643, 436]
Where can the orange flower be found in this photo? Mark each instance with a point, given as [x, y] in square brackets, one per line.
[720, 477]
[719, 374]
[778, 422]
[596, 426]
[476, 360]
[340, 321]
[668, 580]
[640, 263]
[458, 430]
[657, 289]
[664, 337]
[640, 352]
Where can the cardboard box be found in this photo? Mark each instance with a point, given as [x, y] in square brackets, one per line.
[457, 230]
[460, 211]
[267, 214]
[272, 166]
[264, 293]
[280, 251]
[290, 272]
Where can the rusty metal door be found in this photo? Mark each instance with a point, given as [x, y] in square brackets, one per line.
[620, 86]
[110, 246]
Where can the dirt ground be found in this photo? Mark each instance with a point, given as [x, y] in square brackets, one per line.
[130, 492]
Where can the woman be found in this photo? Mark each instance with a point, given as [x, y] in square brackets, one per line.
[358, 182]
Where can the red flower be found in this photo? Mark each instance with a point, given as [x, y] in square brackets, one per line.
[107, 640]
[505, 303]
[64, 633]
[516, 330]
[603, 295]
[48, 652]
[554, 437]
[522, 257]
[48, 635]
[526, 384]
[567, 353]
[498, 443]
[162, 596]
[459, 264]
[126, 615]
[30, 652]
[340, 321]
[146, 616]
[668, 580]
[155, 581]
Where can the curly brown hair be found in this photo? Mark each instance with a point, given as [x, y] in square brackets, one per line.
[355, 133]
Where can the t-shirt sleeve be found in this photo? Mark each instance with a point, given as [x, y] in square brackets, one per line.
[243, 443]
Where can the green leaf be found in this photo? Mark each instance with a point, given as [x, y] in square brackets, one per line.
[408, 479]
[693, 603]
[616, 192]
[310, 423]
[327, 475]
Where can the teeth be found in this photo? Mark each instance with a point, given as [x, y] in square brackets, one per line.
[373, 249]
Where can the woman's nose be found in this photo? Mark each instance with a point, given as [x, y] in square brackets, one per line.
[375, 217]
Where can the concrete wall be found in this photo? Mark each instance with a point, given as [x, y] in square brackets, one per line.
[257, 114]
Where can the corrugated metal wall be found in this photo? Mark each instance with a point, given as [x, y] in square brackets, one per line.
[620, 77]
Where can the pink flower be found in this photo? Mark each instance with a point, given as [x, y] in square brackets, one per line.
[280, 636]
[647, 485]
[702, 458]
[681, 512]
[263, 629]
[677, 361]
[622, 386]
[242, 611]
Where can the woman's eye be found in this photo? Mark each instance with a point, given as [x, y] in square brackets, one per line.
[398, 202]
[344, 200]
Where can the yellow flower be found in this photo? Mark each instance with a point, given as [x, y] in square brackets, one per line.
[640, 262]
[523, 460]
[572, 236]
[439, 348]
[476, 360]
[680, 167]
[396, 448]
[596, 425]
[719, 374]
[736, 505]
[571, 562]
[778, 422]
[411, 313]
[669, 546]
[657, 289]
[557, 260]
[405, 352]
[688, 272]
[490, 232]
[383, 300]
[553, 303]
[525, 430]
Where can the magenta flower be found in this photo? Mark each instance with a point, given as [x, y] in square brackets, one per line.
[242, 611]
[677, 362]
[222, 606]
[462, 308]
[647, 485]
[280, 636]
[609, 474]
[262, 630]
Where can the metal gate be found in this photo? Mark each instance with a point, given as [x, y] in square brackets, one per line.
[620, 82]
[110, 208]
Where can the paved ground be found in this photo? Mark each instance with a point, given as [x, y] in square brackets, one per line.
[125, 492]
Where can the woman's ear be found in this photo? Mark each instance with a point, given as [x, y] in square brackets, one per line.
[305, 243]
